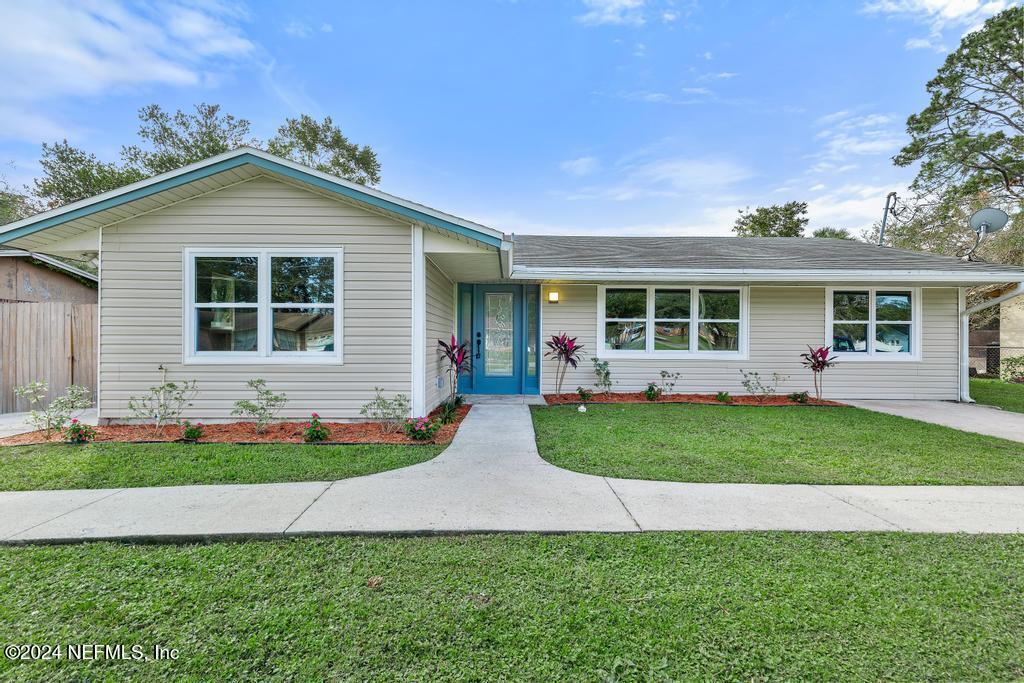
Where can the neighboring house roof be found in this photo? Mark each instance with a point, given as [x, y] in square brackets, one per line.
[754, 257]
[237, 165]
[50, 261]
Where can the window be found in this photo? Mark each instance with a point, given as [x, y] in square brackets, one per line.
[275, 305]
[671, 320]
[874, 323]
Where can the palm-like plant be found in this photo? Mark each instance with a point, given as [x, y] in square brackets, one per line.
[457, 356]
[818, 360]
[566, 353]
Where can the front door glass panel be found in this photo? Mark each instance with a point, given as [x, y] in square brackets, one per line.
[498, 333]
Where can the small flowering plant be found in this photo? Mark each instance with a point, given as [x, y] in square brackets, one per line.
[192, 431]
[77, 432]
[421, 428]
[313, 431]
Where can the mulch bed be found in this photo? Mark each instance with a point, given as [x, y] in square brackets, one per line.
[245, 433]
[703, 399]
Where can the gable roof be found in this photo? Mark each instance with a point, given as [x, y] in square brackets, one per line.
[55, 263]
[751, 257]
[236, 166]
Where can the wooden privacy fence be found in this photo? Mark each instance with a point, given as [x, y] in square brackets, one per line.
[52, 342]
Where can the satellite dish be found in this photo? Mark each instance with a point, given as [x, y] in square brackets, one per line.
[988, 220]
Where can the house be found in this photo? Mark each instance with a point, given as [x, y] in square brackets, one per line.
[37, 278]
[247, 265]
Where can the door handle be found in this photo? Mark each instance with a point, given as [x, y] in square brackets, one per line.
[478, 345]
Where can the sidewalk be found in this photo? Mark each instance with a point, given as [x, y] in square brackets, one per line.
[17, 423]
[492, 479]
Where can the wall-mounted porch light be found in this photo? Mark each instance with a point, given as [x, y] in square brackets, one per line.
[552, 296]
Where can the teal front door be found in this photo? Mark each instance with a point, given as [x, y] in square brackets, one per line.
[503, 334]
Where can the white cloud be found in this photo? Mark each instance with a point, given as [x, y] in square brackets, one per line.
[924, 44]
[818, 187]
[668, 16]
[706, 56]
[640, 50]
[939, 16]
[581, 166]
[853, 206]
[669, 177]
[64, 48]
[848, 134]
[720, 76]
[695, 91]
[326, 28]
[297, 29]
[616, 12]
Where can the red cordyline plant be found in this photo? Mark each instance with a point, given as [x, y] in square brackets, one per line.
[566, 352]
[818, 361]
[457, 356]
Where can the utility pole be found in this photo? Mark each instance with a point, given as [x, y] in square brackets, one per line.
[885, 216]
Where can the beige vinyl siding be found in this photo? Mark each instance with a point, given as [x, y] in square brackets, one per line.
[440, 312]
[783, 321]
[141, 306]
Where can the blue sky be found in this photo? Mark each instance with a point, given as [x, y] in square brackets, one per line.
[587, 116]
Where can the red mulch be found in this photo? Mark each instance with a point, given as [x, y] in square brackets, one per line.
[707, 399]
[244, 432]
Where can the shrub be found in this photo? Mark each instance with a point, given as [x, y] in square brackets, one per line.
[77, 432]
[164, 403]
[264, 408]
[652, 392]
[566, 352]
[457, 356]
[799, 397]
[192, 431]
[603, 374]
[314, 431]
[421, 428]
[389, 412]
[59, 411]
[1012, 369]
[668, 380]
[761, 389]
[584, 394]
[447, 412]
[723, 397]
[818, 361]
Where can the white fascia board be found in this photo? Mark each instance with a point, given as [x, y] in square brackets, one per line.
[740, 275]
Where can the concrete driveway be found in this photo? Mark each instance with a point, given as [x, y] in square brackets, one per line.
[492, 479]
[967, 417]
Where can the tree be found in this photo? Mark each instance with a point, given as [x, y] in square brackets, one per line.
[179, 139]
[832, 233]
[169, 141]
[970, 137]
[322, 146]
[70, 174]
[13, 205]
[786, 220]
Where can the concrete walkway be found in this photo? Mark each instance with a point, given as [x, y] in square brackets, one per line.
[967, 417]
[17, 423]
[492, 479]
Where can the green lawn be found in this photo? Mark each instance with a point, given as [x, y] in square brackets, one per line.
[994, 392]
[114, 465]
[780, 445]
[741, 606]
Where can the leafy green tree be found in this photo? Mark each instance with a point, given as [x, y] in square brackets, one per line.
[70, 174]
[322, 146]
[182, 138]
[13, 205]
[832, 233]
[169, 141]
[778, 220]
[970, 137]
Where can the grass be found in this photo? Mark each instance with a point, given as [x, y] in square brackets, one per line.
[994, 392]
[784, 445]
[739, 606]
[115, 465]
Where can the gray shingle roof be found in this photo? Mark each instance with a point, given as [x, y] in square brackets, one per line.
[740, 253]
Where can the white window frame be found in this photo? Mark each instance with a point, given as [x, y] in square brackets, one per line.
[915, 322]
[264, 354]
[694, 353]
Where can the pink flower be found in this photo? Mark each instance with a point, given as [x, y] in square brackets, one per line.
[316, 416]
[75, 421]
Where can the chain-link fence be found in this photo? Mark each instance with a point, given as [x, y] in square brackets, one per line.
[984, 360]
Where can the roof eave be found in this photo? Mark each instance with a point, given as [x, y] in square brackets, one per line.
[597, 275]
[270, 163]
